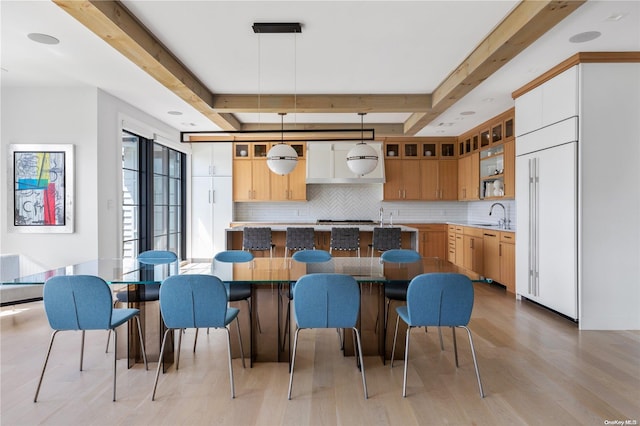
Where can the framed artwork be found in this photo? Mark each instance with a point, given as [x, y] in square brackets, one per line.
[42, 190]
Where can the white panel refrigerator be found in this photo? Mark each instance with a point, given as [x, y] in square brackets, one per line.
[547, 227]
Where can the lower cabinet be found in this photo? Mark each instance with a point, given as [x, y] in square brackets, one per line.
[499, 258]
[432, 240]
[473, 249]
[508, 260]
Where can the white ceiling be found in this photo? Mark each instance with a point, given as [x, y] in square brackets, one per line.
[346, 47]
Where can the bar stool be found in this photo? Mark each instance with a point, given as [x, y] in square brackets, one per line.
[299, 239]
[257, 239]
[384, 239]
[345, 239]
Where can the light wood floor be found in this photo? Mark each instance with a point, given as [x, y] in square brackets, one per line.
[536, 367]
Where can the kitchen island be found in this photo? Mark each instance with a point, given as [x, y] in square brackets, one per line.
[322, 235]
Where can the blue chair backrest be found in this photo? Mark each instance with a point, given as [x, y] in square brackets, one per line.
[401, 256]
[234, 256]
[157, 257]
[193, 301]
[311, 256]
[440, 299]
[326, 301]
[78, 302]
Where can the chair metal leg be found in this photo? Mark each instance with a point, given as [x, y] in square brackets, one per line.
[395, 336]
[44, 366]
[115, 361]
[293, 361]
[240, 342]
[475, 361]
[406, 363]
[455, 345]
[233, 389]
[155, 383]
[144, 352]
[355, 349]
[180, 332]
[108, 338]
[287, 324]
[440, 335]
[364, 380]
[82, 350]
[195, 341]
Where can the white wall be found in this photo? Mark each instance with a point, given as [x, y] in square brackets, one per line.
[53, 116]
[610, 194]
[113, 116]
[91, 120]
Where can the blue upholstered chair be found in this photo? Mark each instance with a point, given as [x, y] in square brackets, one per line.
[313, 257]
[398, 290]
[149, 292]
[235, 291]
[327, 301]
[441, 300]
[83, 302]
[196, 301]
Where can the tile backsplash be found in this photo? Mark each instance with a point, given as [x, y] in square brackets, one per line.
[361, 201]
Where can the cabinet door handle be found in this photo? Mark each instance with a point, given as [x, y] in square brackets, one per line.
[209, 196]
[500, 250]
[399, 193]
[249, 194]
[213, 197]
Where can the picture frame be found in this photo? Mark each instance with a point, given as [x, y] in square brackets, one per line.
[42, 188]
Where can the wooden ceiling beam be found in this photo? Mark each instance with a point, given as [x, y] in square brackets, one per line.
[381, 129]
[113, 23]
[527, 22]
[322, 103]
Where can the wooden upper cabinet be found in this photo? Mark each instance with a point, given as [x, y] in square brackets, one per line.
[439, 180]
[402, 180]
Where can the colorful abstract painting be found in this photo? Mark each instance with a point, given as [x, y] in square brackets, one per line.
[39, 193]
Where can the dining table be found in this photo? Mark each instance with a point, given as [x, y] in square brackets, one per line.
[266, 332]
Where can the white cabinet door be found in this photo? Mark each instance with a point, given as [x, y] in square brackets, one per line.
[549, 103]
[211, 159]
[222, 200]
[201, 217]
[211, 214]
[560, 97]
[319, 161]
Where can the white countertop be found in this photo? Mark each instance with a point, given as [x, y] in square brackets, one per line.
[320, 228]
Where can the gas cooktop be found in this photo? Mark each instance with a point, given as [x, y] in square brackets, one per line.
[345, 221]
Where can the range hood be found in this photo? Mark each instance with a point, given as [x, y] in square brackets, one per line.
[327, 163]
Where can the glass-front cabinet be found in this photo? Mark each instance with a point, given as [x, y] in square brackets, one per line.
[492, 172]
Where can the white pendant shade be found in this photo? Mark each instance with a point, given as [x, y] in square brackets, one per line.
[362, 159]
[282, 159]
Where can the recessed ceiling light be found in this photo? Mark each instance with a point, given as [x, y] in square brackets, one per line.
[467, 112]
[189, 124]
[174, 113]
[43, 38]
[488, 100]
[585, 36]
[615, 17]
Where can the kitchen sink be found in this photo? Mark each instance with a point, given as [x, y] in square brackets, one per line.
[484, 224]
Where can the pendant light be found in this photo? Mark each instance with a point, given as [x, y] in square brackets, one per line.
[282, 158]
[362, 159]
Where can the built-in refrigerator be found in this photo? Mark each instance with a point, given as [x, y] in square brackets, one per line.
[547, 225]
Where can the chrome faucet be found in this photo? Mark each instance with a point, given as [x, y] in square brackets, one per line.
[381, 216]
[504, 222]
